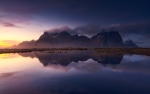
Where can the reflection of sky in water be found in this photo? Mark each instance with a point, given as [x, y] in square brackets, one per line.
[25, 75]
[134, 58]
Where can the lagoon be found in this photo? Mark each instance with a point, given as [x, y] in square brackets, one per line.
[74, 72]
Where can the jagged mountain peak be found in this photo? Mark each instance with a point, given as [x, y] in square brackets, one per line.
[50, 33]
[129, 43]
[64, 33]
[76, 35]
[107, 39]
[46, 33]
[103, 31]
[107, 33]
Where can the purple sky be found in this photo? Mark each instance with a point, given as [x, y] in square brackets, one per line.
[22, 20]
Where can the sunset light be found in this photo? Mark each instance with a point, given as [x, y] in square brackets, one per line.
[5, 44]
[74, 46]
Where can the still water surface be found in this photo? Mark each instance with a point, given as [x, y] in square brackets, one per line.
[74, 72]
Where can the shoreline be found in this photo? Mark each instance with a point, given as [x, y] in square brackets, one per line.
[140, 51]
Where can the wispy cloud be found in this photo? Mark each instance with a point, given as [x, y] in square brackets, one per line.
[141, 28]
[8, 24]
[88, 30]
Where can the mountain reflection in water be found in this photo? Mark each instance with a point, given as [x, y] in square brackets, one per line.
[74, 72]
[65, 59]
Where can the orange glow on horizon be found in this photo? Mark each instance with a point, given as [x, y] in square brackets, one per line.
[15, 35]
[5, 44]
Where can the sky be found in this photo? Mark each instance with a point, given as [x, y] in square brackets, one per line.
[24, 20]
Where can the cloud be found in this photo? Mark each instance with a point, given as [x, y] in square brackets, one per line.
[57, 30]
[19, 7]
[29, 7]
[7, 24]
[137, 31]
[142, 28]
[88, 30]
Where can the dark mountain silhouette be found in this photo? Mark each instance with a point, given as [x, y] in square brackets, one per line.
[130, 44]
[107, 39]
[74, 56]
[111, 39]
[64, 39]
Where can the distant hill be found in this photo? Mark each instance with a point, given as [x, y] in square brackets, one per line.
[111, 39]
[25, 44]
[130, 44]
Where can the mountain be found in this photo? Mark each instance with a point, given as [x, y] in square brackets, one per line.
[107, 39]
[111, 39]
[64, 39]
[130, 44]
[25, 44]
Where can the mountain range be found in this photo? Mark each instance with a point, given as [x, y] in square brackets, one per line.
[111, 39]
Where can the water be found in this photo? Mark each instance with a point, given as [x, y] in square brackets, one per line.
[74, 72]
